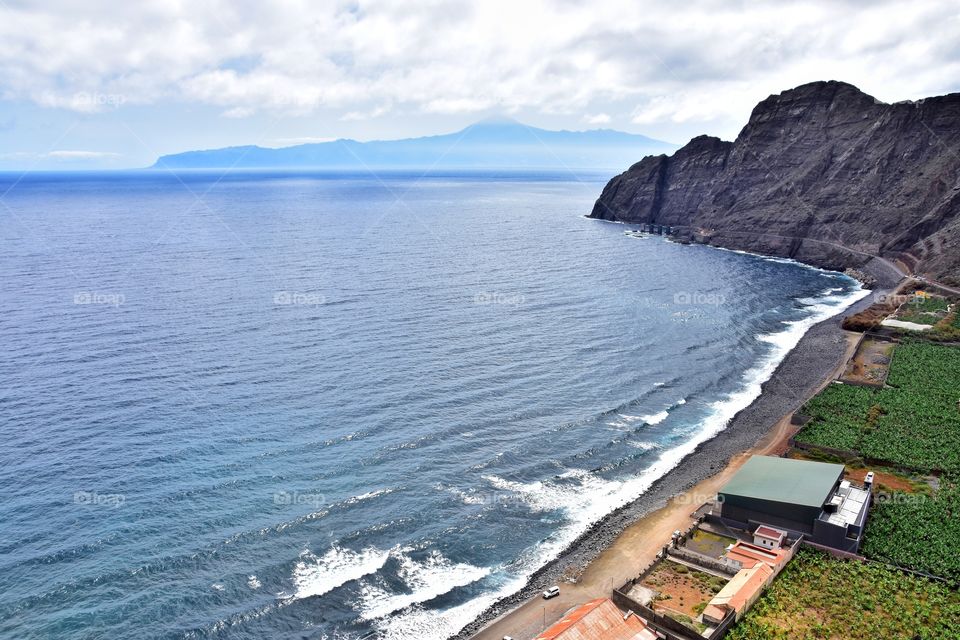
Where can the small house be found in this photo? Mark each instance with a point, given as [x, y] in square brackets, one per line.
[769, 537]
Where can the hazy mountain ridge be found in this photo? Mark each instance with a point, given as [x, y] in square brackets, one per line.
[817, 169]
[491, 143]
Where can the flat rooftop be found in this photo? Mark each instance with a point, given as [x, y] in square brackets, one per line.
[784, 480]
[850, 509]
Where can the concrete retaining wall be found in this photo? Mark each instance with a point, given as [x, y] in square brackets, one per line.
[724, 565]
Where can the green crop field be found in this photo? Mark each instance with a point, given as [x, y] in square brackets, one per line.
[924, 310]
[918, 531]
[818, 596]
[915, 423]
[927, 304]
[839, 413]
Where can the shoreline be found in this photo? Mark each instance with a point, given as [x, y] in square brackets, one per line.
[802, 372]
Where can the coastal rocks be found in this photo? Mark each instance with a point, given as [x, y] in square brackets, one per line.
[822, 173]
[864, 278]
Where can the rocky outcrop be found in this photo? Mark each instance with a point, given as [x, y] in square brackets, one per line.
[822, 173]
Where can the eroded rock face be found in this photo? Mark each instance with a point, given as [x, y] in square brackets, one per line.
[822, 173]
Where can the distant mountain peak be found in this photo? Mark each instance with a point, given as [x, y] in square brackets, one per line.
[498, 120]
[497, 142]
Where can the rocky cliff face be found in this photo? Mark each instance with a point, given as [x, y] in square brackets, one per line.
[822, 173]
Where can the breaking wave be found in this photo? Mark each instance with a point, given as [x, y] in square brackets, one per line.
[315, 576]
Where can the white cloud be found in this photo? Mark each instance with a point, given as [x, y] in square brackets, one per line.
[61, 155]
[654, 63]
[72, 155]
[376, 112]
[600, 118]
[239, 112]
[302, 140]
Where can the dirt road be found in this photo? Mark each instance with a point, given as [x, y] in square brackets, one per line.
[638, 545]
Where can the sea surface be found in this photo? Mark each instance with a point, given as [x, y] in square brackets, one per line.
[343, 406]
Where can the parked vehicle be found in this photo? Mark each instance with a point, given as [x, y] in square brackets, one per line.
[552, 592]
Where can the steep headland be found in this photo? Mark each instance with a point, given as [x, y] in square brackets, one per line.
[822, 173]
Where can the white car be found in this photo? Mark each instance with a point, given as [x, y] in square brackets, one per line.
[552, 592]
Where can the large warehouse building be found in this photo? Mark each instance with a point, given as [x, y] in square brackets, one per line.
[799, 497]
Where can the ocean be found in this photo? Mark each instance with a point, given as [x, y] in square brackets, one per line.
[294, 405]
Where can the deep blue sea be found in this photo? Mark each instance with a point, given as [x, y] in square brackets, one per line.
[343, 406]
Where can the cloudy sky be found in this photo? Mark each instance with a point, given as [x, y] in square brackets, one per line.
[115, 84]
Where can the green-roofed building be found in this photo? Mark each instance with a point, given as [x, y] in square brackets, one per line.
[799, 497]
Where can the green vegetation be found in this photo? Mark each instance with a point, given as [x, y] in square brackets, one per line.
[914, 423]
[838, 415]
[924, 310]
[918, 531]
[818, 596]
[947, 330]
[926, 304]
[709, 544]
[711, 583]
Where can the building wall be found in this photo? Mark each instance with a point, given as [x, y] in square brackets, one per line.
[832, 535]
[801, 520]
[786, 512]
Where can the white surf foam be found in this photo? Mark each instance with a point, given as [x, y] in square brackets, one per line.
[767, 258]
[782, 342]
[585, 498]
[254, 582]
[315, 576]
[655, 418]
[427, 624]
[469, 498]
[368, 496]
[426, 580]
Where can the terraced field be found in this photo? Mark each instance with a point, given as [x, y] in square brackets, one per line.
[924, 310]
[917, 531]
[818, 596]
[913, 423]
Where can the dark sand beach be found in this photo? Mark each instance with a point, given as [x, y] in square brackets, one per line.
[642, 527]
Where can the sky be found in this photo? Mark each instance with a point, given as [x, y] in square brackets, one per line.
[107, 84]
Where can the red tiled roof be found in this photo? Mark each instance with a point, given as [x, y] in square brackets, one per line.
[750, 554]
[714, 613]
[769, 532]
[739, 591]
[598, 619]
[752, 585]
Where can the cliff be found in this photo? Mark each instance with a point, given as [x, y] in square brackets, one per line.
[822, 173]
